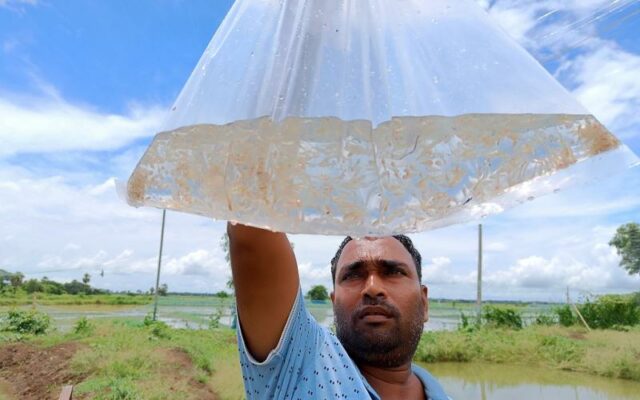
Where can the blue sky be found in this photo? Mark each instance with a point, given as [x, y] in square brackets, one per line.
[84, 86]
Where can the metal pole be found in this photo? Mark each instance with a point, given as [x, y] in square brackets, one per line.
[479, 297]
[155, 300]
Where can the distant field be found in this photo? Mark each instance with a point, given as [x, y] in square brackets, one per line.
[75, 299]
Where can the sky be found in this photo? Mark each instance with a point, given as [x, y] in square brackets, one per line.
[84, 86]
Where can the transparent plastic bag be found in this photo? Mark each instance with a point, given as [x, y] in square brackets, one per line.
[367, 118]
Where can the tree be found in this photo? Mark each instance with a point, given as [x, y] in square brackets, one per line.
[627, 243]
[86, 278]
[163, 290]
[75, 287]
[17, 279]
[33, 286]
[318, 292]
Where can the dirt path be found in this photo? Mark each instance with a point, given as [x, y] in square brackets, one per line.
[34, 373]
[179, 368]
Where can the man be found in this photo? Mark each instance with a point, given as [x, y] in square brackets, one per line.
[379, 305]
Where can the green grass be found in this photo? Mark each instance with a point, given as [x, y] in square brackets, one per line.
[124, 359]
[606, 353]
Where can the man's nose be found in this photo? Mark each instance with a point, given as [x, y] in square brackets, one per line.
[374, 287]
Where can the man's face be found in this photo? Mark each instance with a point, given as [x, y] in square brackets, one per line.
[380, 306]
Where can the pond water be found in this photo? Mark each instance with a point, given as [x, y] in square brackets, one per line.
[477, 381]
[193, 312]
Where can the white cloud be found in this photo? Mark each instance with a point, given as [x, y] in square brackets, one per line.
[597, 271]
[607, 82]
[51, 124]
[311, 275]
[14, 3]
[441, 271]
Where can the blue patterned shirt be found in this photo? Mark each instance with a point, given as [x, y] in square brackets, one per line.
[309, 362]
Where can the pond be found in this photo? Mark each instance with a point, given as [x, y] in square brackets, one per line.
[478, 381]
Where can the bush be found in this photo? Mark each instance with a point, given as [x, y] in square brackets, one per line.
[545, 319]
[26, 322]
[83, 326]
[468, 324]
[565, 315]
[503, 317]
[214, 319]
[611, 310]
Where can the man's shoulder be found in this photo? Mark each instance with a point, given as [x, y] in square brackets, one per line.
[432, 386]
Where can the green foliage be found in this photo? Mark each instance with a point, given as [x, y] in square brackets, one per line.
[627, 243]
[16, 279]
[560, 349]
[318, 293]
[158, 330]
[605, 353]
[546, 319]
[163, 290]
[222, 294]
[214, 319]
[121, 389]
[148, 320]
[33, 286]
[611, 310]
[25, 322]
[565, 315]
[503, 317]
[466, 325]
[75, 287]
[83, 327]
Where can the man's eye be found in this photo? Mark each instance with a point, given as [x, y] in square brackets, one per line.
[350, 275]
[396, 271]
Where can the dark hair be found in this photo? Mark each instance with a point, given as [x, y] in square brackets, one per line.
[406, 242]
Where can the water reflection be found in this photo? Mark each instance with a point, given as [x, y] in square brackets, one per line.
[477, 381]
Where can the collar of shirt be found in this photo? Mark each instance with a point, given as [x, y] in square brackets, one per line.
[432, 389]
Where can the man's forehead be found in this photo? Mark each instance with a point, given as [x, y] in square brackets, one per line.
[374, 248]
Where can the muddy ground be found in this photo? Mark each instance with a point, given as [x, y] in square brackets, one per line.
[34, 373]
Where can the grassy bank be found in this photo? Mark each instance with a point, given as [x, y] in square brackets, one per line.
[126, 359]
[607, 353]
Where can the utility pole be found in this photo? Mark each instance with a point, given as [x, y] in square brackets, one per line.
[479, 297]
[155, 300]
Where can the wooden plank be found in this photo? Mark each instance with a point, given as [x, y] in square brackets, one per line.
[67, 393]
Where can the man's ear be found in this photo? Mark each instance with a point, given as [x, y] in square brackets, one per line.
[425, 301]
[333, 297]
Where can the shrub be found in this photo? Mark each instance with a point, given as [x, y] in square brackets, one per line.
[159, 330]
[83, 326]
[565, 315]
[545, 319]
[214, 319]
[26, 322]
[610, 310]
[468, 324]
[503, 317]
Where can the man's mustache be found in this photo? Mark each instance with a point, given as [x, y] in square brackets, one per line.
[379, 305]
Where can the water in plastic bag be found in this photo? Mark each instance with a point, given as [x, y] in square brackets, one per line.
[367, 118]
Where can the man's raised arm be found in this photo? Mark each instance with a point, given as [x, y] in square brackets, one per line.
[265, 276]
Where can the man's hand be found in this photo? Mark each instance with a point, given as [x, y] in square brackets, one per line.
[265, 275]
